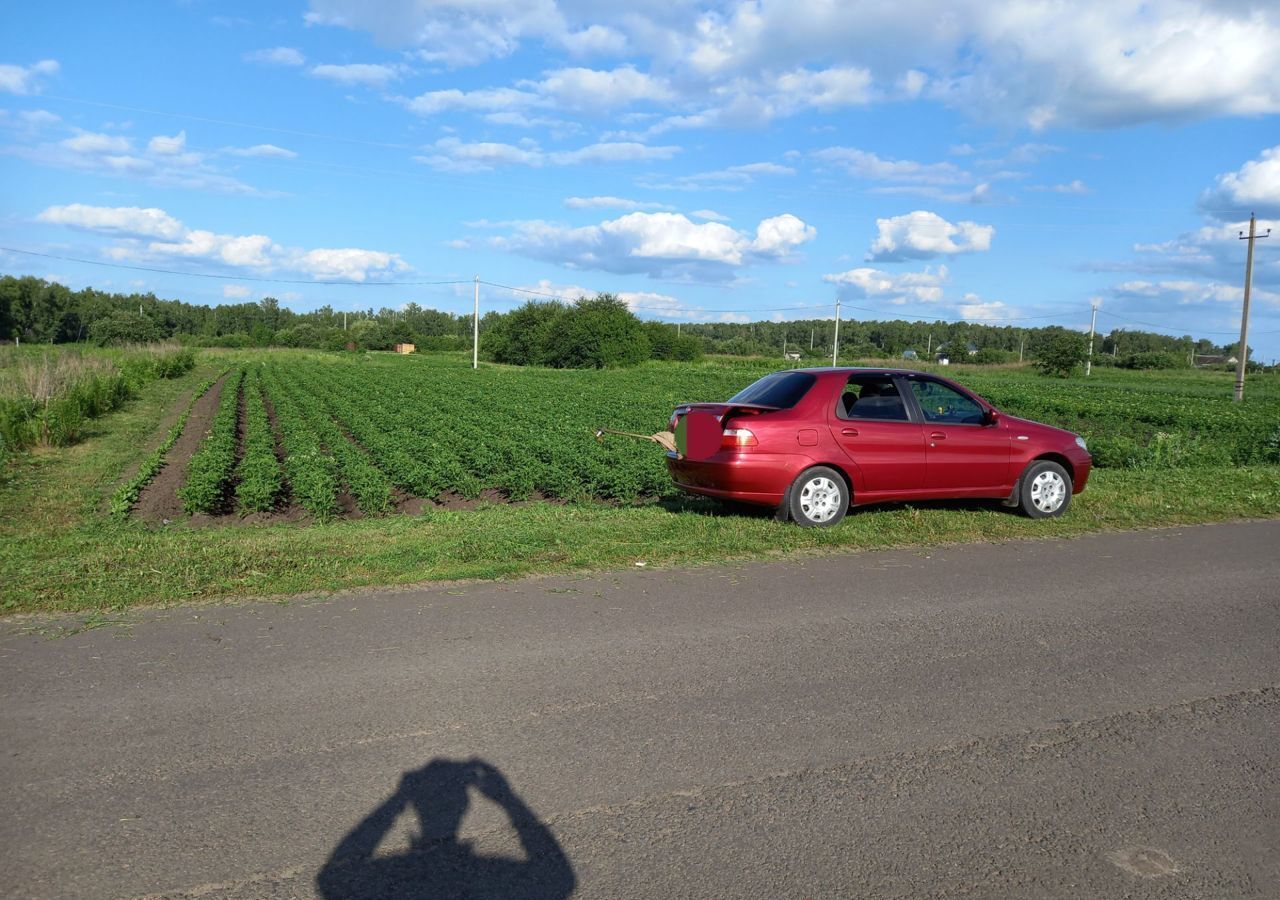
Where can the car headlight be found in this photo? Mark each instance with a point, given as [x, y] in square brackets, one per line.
[1081, 444]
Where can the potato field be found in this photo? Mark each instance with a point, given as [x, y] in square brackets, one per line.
[342, 435]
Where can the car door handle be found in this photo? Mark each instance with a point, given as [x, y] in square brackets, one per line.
[852, 432]
[938, 436]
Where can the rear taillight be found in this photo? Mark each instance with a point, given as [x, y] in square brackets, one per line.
[737, 438]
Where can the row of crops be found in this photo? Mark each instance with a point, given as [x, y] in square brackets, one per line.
[324, 432]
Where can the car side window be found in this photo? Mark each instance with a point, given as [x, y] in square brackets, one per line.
[872, 397]
[946, 406]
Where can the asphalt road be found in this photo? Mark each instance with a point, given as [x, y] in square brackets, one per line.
[1085, 718]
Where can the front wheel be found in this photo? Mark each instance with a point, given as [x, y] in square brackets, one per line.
[818, 498]
[1045, 490]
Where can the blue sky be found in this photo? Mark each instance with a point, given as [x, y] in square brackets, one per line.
[1003, 163]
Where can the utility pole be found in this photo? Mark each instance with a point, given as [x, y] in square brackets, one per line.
[1021, 345]
[1242, 356]
[475, 330]
[811, 338]
[835, 343]
[677, 329]
[928, 354]
[784, 346]
[344, 320]
[1093, 320]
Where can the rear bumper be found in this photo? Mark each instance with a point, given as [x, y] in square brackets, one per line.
[760, 478]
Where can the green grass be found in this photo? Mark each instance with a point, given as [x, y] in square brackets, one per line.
[59, 551]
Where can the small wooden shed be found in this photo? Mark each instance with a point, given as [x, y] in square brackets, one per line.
[405, 348]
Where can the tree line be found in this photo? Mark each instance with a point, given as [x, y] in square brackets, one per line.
[591, 332]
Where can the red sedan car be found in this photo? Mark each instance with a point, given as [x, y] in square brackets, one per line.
[811, 442]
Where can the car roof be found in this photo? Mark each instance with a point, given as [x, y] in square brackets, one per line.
[819, 370]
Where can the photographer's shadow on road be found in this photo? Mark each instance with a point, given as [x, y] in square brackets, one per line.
[439, 865]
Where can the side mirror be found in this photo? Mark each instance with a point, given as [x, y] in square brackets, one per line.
[992, 417]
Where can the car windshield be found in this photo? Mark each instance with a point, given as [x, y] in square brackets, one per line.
[781, 389]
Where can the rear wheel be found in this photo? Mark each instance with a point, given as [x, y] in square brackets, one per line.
[1045, 490]
[818, 498]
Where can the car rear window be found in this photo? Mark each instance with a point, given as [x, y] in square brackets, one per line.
[781, 389]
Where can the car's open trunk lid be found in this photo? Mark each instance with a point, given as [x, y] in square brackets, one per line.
[724, 411]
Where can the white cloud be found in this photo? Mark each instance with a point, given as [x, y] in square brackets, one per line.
[611, 203]
[131, 220]
[24, 80]
[598, 90]
[1254, 187]
[453, 155]
[486, 100]
[657, 244]
[1104, 65]
[277, 56]
[924, 235]
[164, 160]
[453, 32]
[39, 118]
[733, 178]
[874, 284]
[349, 264]
[270, 151]
[1072, 187]
[247, 251]
[595, 40]
[648, 303]
[92, 142]
[780, 235]
[709, 214]
[865, 164]
[256, 253]
[1212, 251]
[168, 146]
[824, 89]
[367, 74]
[236, 291]
[745, 63]
[615, 151]
[975, 309]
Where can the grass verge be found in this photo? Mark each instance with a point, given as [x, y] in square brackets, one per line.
[59, 552]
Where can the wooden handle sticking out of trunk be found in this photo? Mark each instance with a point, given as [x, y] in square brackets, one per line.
[664, 439]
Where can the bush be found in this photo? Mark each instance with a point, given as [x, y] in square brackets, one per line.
[522, 337]
[124, 328]
[1063, 356]
[595, 334]
[989, 356]
[665, 342]
[1156, 359]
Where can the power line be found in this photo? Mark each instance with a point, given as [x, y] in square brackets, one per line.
[566, 299]
[1172, 327]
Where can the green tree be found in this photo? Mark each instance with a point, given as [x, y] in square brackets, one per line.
[600, 332]
[1063, 355]
[124, 328]
[524, 336]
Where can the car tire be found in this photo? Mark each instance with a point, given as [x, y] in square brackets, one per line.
[1044, 490]
[819, 498]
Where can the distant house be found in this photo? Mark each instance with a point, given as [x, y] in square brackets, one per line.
[1215, 359]
[405, 348]
[792, 356]
[910, 354]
